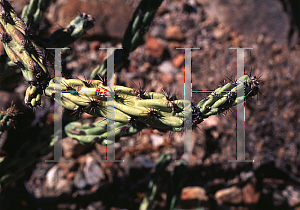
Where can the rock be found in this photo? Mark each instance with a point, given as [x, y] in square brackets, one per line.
[239, 16]
[292, 194]
[174, 33]
[189, 193]
[178, 61]
[155, 47]
[79, 180]
[53, 176]
[232, 195]
[246, 175]
[64, 186]
[92, 171]
[111, 17]
[157, 140]
[210, 123]
[249, 194]
[167, 67]
[218, 33]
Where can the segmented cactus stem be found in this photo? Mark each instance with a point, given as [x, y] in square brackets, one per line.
[157, 110]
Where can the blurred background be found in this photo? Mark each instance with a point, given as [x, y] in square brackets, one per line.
[272, 124]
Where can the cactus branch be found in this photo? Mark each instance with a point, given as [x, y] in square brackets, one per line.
[156, 110]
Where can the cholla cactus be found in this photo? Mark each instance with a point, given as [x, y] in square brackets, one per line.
[134, 108]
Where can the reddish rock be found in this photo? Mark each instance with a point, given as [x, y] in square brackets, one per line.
[189, 193]
[178, 61]
[249, 194]
[174, 33]
[231, 195]
[155, 47]
[111, 17]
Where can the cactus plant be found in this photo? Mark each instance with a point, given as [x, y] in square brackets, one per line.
[7, 118]
[155, 110]
[134, 109]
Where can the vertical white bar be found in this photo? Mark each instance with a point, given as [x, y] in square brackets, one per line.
[240, 110]
[188, 141]
[110, 149]
[57, 108]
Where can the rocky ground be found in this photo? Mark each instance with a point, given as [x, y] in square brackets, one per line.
[272, 181]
